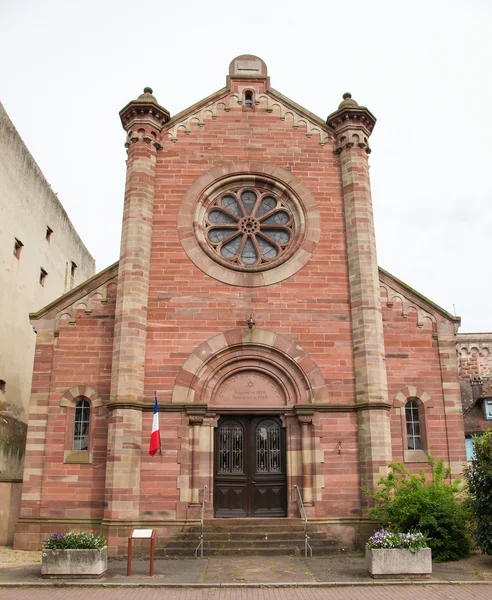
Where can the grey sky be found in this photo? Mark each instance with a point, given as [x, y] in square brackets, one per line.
[423, 68]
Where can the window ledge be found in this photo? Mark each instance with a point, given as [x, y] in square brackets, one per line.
[77, 457]
[414, 456]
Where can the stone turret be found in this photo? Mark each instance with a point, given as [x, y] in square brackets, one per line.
[142, 120]
[353, 124]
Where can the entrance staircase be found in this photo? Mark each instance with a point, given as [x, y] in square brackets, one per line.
[267, 537]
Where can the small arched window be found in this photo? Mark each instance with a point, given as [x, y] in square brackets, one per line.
[81, 426]
[248, 99]
[414, 434]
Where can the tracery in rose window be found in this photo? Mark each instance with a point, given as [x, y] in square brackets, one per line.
[249, 227]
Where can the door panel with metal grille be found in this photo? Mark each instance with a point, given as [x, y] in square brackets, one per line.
[250, 468]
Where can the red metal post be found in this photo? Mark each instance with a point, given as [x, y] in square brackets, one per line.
[129, 563]
[152, 548]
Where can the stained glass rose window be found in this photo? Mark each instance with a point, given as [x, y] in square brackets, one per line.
[249, 227]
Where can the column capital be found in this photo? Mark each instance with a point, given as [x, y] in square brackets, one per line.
[353, 124]
[196, 410]
[144, 115]
[305, 419]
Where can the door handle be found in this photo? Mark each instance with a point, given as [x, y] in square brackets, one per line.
[253, 481]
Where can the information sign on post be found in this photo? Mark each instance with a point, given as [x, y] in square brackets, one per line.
[141, 534]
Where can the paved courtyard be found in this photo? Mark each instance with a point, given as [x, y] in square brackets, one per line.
[338, 576]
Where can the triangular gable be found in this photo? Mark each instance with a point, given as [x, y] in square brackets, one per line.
[82, 294]
[413, 300]
[270, 101]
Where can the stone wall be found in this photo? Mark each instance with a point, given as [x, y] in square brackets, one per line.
[28, 207]
[474, 352]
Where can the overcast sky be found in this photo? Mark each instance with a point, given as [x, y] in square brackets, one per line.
[423, 68]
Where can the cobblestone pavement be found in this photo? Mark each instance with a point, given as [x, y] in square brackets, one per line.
[379, 592]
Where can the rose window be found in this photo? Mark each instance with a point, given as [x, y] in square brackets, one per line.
[249, 228]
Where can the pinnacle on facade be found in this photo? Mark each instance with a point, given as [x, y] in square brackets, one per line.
[353, 124]
[145, 110]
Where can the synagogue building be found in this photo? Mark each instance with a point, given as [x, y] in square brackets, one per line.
[248, 299]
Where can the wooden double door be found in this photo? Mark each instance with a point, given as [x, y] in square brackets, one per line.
[250, 467]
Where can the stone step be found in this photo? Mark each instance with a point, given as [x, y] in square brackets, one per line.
[239, 523]
[293, 549]
[249, 536]
[190, 552]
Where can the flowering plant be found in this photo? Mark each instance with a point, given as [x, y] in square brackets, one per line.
[74, 541]
[413, 541]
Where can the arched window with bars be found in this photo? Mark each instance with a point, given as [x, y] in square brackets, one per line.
[81, 425]
[414, 430]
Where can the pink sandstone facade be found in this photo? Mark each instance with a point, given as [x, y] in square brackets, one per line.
[282, 358]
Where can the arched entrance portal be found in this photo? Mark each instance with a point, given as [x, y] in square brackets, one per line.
[237, 388]
[250, 467]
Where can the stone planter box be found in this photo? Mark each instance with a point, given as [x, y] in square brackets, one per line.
[74, 563]
[396, 563]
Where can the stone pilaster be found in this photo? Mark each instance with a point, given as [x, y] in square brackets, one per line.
[451, 390]
[142, 119]
[196, 422]
[123, 464]
[353, 125]
[307, 459]
[37, 440]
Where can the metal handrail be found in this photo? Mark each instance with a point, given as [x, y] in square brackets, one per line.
[200, 543]
[302, 512]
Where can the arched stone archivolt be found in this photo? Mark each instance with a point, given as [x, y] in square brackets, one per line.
[237, 352]
[69, 397]
[411, 391]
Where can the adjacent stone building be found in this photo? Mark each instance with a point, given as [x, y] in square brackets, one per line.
[248, 298]
[474, 352]
[41, 257]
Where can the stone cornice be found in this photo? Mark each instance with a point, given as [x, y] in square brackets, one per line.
[373, 406]
[411, 299]
[270, 101]
[94, 290]
[77, 293]
[148, 406]
[301, 110]
[483, 338]
[298, 410]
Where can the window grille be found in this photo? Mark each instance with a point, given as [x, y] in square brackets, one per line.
[81, 426]
[414, 435]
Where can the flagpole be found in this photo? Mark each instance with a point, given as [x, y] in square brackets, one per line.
[160, 444]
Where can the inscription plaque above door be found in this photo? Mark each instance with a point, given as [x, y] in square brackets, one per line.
[249, 388]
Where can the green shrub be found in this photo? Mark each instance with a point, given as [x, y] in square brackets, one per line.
[406, 502]
[479, 476]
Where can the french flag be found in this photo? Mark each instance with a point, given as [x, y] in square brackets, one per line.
[155, 436]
